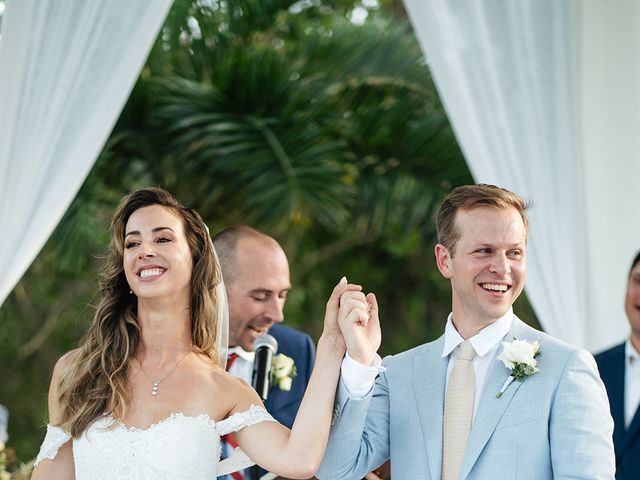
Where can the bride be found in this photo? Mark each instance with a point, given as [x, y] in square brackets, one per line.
[145, 397]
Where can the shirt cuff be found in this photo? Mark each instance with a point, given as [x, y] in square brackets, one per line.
[358, 378]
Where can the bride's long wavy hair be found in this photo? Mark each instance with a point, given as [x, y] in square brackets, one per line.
[95, 380]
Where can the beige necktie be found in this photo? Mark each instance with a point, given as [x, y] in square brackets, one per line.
[458, 412]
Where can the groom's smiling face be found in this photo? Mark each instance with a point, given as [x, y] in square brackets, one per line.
[487, 269]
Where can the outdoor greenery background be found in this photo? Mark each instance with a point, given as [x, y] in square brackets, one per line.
[316, 121]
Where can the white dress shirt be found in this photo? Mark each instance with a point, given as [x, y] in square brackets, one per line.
[486, 343]
[243, 365]
[359, 379]
[631, 383]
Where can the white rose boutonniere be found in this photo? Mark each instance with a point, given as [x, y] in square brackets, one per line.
[519, 357]
[283, 370]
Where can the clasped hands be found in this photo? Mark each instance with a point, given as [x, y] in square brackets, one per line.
[352, 317]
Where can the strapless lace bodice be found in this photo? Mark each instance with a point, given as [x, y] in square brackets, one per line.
[180, 446]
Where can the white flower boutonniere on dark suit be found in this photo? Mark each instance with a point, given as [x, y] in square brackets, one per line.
[283, 370]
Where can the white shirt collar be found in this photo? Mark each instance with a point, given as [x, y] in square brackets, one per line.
[483, 341]
[630, 353]
[243, 354]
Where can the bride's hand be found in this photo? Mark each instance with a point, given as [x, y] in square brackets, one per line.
[360, 325]
[298, 453]
[331, 331]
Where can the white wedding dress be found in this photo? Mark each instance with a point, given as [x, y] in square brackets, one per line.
[179, 446]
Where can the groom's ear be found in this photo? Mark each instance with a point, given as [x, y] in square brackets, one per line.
[443, 260]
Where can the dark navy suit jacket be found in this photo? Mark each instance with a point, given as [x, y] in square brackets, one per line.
[611, 364]
[299, 346]
[283, 406]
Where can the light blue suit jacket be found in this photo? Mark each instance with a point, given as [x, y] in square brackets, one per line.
[554, 425]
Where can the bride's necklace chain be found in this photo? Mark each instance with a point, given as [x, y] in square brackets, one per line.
[156, 384]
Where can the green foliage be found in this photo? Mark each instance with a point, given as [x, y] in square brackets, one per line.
[280, 114]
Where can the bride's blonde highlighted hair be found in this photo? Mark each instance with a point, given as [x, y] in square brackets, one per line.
[95, 380]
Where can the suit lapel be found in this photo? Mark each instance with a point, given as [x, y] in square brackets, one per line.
[429, 373]
[270, 404]
[616, 397]
[633, 429]
[491, 409]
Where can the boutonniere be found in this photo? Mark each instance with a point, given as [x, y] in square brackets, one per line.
[519, 357]
[283, 369]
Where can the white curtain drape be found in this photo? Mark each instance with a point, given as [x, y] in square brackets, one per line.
[67, 67]
[530, 91]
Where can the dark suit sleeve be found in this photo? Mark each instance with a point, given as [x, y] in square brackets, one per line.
[309, 350]
[611, 364]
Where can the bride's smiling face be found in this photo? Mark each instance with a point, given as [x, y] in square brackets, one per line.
[157, 260]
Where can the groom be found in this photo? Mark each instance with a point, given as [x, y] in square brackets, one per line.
[435, 410]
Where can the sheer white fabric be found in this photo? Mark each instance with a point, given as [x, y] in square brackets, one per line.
[180, 446]
[67, 69]
[4, 423]
[222, 324]
[531, 89]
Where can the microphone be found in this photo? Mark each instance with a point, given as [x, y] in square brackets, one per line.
[265, 347]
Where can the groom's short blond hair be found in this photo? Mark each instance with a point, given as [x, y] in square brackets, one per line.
[468, 197]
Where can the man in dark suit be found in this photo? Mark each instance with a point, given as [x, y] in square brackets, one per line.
[284, 404]
[620, 371]
[256, 275]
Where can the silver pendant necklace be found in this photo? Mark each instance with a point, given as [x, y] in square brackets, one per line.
[156, 384]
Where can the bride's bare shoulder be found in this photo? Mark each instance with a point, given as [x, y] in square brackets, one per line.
[228, 382]
[65, 360]
[232, 391]
[215, 377]
[61, 366]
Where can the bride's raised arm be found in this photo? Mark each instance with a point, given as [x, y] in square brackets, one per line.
[298, 453]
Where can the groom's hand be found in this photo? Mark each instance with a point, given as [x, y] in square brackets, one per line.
[360, 325]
